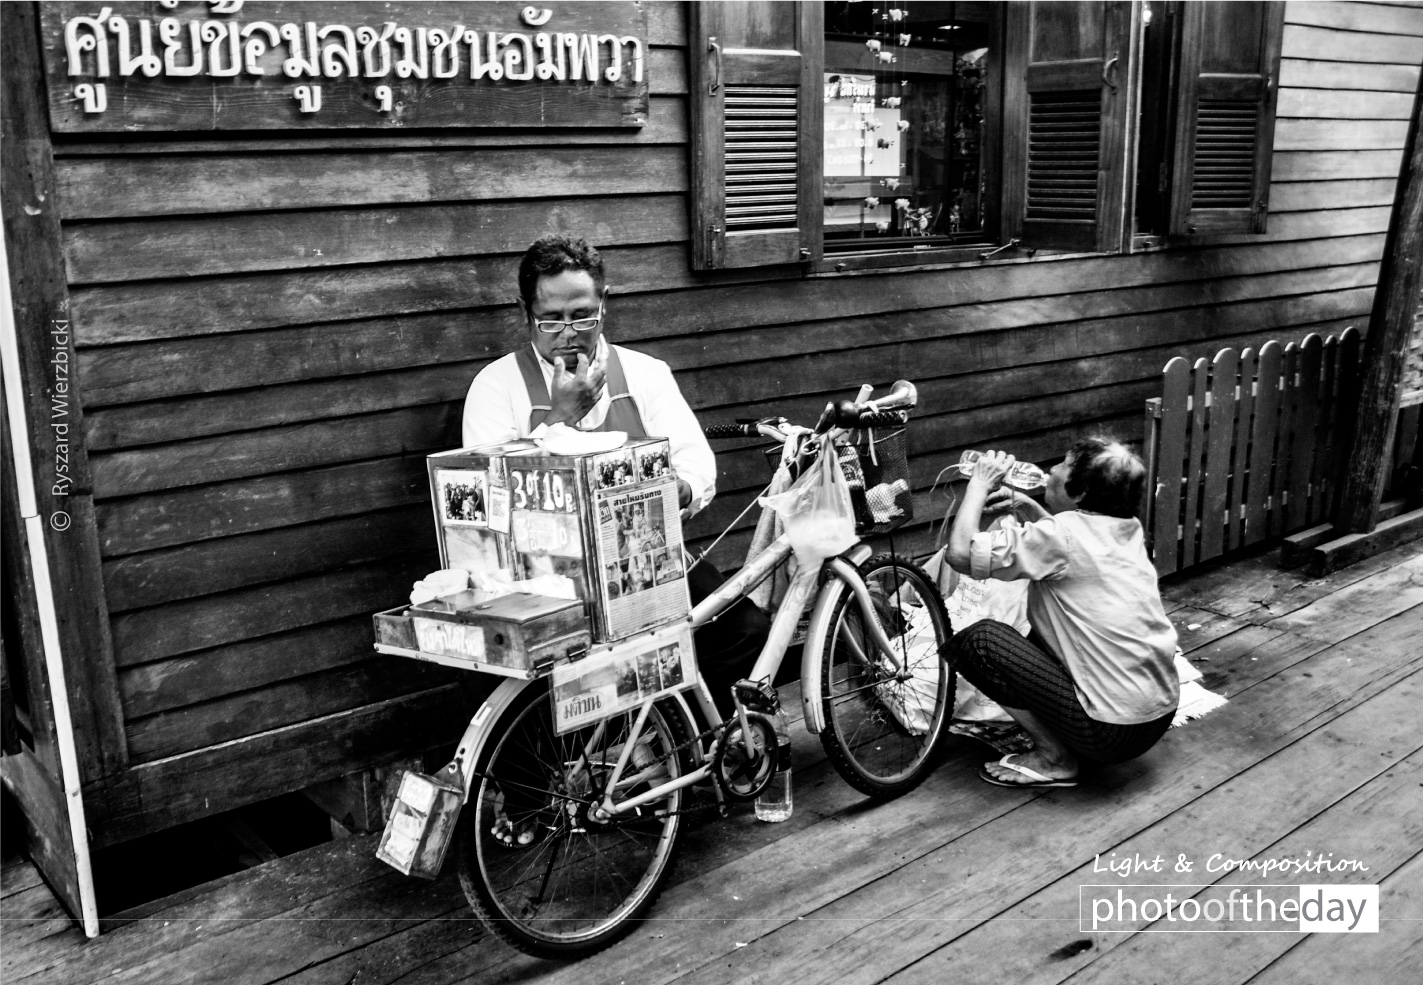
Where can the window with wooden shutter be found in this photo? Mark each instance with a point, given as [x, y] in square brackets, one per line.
[1065, 114]
[1225, 116]
[756, 116]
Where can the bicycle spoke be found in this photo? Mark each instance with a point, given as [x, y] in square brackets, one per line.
[581, 879]
[881, 726]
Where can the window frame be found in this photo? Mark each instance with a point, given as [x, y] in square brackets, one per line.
[1004, 209]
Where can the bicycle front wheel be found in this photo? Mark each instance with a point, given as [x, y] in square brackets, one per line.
[579, 882]
[883, 726]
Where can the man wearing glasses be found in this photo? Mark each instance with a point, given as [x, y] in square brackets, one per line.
[570, 374]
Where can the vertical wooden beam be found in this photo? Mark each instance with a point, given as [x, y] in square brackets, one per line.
[1390, 322]
[44, 338]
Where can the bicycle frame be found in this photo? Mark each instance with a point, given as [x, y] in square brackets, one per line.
[844, 577]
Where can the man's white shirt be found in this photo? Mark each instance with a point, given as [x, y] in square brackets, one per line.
[497, 408]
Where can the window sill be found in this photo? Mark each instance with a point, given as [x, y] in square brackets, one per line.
[876, 260]
[956, 258]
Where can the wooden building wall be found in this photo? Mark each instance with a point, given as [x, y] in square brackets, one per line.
[272, 333]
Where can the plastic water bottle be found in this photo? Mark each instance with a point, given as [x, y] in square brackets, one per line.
[775, 802]
[1023, 476]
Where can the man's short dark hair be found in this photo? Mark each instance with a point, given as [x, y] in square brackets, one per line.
[1107, 477]
[553, 254]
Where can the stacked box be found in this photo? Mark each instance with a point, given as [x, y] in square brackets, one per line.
[517, 634]
[610, 522]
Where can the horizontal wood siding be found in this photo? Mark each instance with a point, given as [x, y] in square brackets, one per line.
[272, 333]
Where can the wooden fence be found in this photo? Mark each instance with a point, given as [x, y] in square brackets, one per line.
[1243, 447]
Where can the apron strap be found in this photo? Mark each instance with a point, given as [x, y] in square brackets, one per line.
[540, 405]
[622, 411]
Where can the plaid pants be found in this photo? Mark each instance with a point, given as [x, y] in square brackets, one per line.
[1021, 673]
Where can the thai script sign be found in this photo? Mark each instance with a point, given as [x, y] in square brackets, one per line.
[230, 65]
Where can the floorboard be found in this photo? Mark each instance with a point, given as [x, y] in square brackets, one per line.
[955, 881]
[1323, 789]
[17, 875]
[979, 875]
[1391, 957]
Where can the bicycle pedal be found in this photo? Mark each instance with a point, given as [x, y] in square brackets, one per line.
[757, 696]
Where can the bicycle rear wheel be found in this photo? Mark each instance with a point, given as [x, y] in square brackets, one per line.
[882, 729]
[580, 883]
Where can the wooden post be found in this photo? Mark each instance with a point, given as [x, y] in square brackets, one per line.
[1395, 301]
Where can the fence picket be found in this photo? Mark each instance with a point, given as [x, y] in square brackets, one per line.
[1194, 472]
[1240, 465]
[1171, 461]
[1304, 437]
[1284, 444]
[1220, 429]
[1264, 434]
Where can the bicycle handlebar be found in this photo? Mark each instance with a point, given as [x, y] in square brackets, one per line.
[890, 410]
[730, 431]
[883, 419]
[866, 419]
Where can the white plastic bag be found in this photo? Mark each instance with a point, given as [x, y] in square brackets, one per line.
[816, 510]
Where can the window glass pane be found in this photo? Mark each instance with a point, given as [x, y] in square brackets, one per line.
[904, 136]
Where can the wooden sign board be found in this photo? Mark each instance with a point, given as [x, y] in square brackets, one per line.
[231, 65]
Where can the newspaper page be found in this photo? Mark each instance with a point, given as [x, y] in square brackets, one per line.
[622, 676]
[642, 580]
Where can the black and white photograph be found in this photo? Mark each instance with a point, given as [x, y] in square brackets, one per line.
[614, 324]
[615, 469]
[626, 682]
[615, 577]
[640, 526]
[667, 563]
[652, 462]
[462, 501]
[669, 663]
[649, 673]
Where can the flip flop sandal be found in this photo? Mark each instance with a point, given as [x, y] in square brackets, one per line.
[1035, 779]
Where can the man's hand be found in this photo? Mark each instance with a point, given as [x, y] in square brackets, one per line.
[574, 394]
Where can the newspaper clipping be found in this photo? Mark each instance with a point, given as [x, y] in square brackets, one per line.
[643, 582]
[623, 676]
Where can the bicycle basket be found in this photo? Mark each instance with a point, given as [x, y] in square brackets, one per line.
[886, 500]
[876, 466]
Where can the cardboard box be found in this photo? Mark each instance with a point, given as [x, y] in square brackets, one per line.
[518, 634]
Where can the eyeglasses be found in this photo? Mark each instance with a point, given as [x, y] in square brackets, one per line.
[555, 326]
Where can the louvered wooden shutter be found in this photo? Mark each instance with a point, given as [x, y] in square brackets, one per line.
[1066, 73]
[1225, 117]
[756, 112]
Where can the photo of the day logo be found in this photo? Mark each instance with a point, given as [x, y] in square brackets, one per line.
[1310, 909]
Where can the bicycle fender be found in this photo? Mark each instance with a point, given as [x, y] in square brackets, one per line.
[813, 651]
[481, 727]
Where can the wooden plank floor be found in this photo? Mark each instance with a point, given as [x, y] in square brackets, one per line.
[1319, 751]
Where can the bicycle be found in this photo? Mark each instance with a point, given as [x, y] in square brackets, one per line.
[603, 805]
